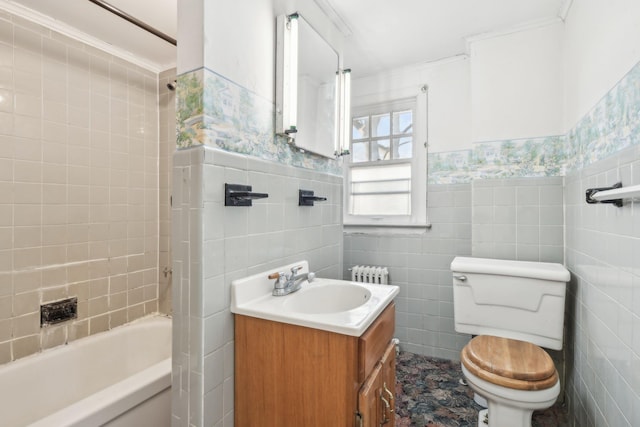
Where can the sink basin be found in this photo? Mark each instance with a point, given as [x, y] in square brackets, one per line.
[327, 298]
[339, 306]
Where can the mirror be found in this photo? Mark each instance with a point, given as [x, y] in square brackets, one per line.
[307, 87]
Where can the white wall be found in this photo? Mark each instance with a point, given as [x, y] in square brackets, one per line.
[250, 60]
[510, 87]
[191, 35]
[206, 29]
[516, 84]
[602, 44]
[449, 102]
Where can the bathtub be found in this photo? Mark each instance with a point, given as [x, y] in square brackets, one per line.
[119, 378]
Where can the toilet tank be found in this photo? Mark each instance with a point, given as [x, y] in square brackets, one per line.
[512, 299]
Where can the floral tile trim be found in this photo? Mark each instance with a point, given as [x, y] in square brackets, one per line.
[212, 110]
[223, 114]
[532, 157]
[612, 125]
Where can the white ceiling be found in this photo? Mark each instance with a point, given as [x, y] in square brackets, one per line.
[392, 33]
[380, 34]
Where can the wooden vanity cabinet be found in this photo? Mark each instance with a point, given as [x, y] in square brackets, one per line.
[288, 375]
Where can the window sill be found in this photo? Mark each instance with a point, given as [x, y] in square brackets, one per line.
[379, 229]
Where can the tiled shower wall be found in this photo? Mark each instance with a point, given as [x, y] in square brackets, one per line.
[78, 187]
[603, 254]
[214, 244]
[419, 265]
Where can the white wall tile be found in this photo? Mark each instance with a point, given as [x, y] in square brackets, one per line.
[238, 242]
[514, 227]
[418, 263]
[603, 283]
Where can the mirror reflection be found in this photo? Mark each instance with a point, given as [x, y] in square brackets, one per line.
[317, 67]
[307, 100]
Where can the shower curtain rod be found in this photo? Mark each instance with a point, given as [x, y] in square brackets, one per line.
[134, 21]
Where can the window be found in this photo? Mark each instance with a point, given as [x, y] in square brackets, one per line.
[386, 173]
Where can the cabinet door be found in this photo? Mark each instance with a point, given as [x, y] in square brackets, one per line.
[388, 363]
[369, 403]
[376, 399]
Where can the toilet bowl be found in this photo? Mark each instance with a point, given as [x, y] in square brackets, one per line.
[514, 308]
[515, 377]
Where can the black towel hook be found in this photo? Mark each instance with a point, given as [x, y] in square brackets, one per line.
[240, 195]
[306, 198]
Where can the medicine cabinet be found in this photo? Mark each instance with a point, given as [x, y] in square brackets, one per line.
[310, 88]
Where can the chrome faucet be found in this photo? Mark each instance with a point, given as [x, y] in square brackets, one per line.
[288, 283]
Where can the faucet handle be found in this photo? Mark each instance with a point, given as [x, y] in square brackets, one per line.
[280, 277]
[295, 269]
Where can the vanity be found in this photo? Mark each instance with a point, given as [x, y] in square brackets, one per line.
[321, 356]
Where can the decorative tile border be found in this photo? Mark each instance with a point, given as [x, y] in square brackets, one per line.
[612, 125]
[212, 110]
[223, 114]
[531, 157]
[450, 167]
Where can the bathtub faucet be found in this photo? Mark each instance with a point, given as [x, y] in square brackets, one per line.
[288, 283]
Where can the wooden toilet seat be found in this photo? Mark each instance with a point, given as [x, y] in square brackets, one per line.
[509, 363]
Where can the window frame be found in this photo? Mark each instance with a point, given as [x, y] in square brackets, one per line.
[418, 162]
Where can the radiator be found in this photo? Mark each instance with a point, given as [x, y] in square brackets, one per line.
[370, 274]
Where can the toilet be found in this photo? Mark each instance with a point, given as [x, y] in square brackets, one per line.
[513, 308]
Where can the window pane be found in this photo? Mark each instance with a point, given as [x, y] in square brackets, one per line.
[381, 173]
[360, 152]
[402, 122]
[360, 128]
[381, 190]
[380, 125]
[382, 187]
[402, 148]
[381, 150]
[385, 204]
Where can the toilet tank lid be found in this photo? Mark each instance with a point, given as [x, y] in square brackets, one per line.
[534, 270]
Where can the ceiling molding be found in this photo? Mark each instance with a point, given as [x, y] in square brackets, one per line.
[444, 61]
[74, 33]
[334, 17]
[531, 25]
[564, 9]
[398, 72]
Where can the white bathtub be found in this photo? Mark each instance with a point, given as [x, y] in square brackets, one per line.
[117, 378]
